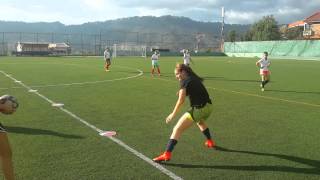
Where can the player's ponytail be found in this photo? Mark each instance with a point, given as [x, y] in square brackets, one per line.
[188, 70]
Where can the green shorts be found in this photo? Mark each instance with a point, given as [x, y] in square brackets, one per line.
[108, 61]
[155, 63]
[201, 114]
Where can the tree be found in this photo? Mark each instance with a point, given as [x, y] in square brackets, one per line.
[232, 36]
[291, 33]
[264, 30]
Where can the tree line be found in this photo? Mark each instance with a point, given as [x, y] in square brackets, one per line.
[266, 29]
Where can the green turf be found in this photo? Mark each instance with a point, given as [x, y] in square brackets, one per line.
[260, 135]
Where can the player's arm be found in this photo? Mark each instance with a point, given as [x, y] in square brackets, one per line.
[179, 103]
[258, 63]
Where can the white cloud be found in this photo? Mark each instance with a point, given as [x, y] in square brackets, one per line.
[95, 4]
[288, 11]
[152, 12]
[239, 17]
[17, 14]
[77, 12]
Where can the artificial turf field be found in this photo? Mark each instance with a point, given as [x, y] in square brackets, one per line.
[260, 135]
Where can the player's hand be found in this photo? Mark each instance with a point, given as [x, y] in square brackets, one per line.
[169, 118]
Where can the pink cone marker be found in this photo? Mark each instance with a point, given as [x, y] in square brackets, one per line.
[108, 133]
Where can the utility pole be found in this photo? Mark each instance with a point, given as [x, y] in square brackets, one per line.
[222, 31]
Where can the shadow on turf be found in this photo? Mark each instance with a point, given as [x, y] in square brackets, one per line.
[33, 131]
[314, 164]
[287, 91]
[123, 71]
[226, 79]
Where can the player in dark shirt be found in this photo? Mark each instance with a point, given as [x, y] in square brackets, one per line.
[200, 109]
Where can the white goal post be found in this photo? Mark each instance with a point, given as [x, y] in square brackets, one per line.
[129, 49]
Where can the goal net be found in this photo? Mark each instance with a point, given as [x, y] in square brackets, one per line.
[129, 49]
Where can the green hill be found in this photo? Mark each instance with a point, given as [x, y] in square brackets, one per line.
[169, 32]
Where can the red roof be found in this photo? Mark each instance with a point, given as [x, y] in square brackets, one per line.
[295, 24]
[313, 18]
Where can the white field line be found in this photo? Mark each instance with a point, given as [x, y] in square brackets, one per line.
[119, 142]
[269, 98]
[83, 83]
[258, 96]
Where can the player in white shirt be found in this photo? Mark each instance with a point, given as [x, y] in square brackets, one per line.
[155, 62]
[107, 58]
[186, 57]
[264, 64]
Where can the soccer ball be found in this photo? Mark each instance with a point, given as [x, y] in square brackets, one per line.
[9, 103]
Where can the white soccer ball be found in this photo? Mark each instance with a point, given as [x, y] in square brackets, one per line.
[9, 104]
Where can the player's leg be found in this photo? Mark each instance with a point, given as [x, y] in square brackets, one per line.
[108, 63]
[6, 157]
[158, 68]
[105, 65]
[262, 82]
[267, 78]
[153, 67]
[206, 132]
[200, 116]
[184, 123]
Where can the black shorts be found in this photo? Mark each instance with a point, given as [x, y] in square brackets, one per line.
[2, 129]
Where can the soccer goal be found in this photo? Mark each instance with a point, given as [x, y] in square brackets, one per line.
[128, 49]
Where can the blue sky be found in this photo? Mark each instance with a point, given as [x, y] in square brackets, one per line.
[81, 11]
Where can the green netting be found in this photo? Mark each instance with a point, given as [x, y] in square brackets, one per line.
[292, 48]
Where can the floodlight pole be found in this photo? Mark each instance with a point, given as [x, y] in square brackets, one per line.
[222, 30]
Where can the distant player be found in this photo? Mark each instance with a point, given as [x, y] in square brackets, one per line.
[155, 62]
[264, 64]
[186, 57]
[107, 58]
[200, 109]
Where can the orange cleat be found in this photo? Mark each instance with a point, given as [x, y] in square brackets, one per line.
[166, 156]
[210, 143]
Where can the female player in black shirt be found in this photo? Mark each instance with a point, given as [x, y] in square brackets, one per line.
[201, 108]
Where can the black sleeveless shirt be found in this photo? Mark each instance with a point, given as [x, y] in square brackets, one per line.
[198, 94]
